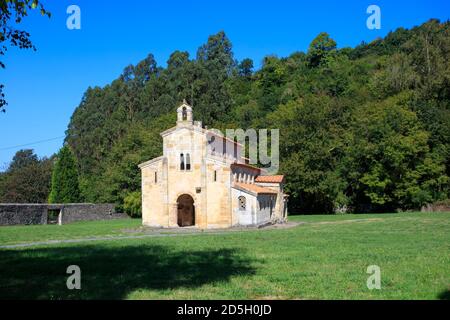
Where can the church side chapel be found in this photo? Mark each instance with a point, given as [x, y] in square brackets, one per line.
[203, 180]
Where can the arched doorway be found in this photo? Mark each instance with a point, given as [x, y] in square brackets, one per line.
[186, 210]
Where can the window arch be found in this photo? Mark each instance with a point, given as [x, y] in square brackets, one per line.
[242, 203]
[188, 161]
[181, 161]
[184, 114]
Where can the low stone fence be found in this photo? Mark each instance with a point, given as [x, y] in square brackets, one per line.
[31, 213]
[440, 207]
[12, 213]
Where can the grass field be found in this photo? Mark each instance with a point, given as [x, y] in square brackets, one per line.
[325, 258]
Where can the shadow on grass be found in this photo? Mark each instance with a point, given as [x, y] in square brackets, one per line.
[113, 272]
[444, 295]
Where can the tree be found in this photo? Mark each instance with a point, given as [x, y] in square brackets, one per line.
[65, 185]
[215, 64]
[145, 69]
[319, 48]
[27, 179]
[23, 158]
[11, 13]
[388, 160]
[365, 129]
[245, 68]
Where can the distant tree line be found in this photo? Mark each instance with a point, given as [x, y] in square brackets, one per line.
[27, 179]
[364, 129]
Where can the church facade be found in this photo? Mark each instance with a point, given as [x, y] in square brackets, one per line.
[203, 180]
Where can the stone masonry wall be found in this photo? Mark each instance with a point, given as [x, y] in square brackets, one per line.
[13, 213]
[89, 211]
[30, 213]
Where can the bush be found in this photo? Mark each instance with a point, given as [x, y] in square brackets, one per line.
[132, 204]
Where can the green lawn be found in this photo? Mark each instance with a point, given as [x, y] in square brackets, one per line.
[76, 230]
[326, 258]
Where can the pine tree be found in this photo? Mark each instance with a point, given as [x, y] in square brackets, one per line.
[65, 187]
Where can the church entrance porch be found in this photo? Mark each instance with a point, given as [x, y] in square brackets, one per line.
[185, 211]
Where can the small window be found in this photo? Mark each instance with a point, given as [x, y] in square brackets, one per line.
[181, 161]
[215, 175]
[242, 203]
[156, 177]
[188, 161]
[184, 114]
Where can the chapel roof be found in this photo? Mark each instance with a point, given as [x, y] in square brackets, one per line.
[270, 179]
[253, 188]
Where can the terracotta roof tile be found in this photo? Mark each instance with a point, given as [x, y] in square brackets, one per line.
[253, 188]
[270, 179]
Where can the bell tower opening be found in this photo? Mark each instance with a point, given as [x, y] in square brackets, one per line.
[184, 114]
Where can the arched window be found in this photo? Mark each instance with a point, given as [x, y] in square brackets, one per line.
[188, 161]
[181, 161]
[242, 203]
[184, 114]
[215, 175]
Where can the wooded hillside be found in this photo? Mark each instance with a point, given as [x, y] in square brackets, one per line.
[361, 129]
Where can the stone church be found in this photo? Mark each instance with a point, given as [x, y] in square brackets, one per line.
[196, 184]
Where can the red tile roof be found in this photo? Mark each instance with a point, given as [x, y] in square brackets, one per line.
[270, 179]
[253, 188]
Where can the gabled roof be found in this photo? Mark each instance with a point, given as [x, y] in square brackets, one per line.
[150, 162]
[270, 179]
[253, 188]
[184, 105]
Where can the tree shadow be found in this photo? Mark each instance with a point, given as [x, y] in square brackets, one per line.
[444, 295]
[113, 272]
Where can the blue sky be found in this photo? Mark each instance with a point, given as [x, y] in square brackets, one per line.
[44, 87]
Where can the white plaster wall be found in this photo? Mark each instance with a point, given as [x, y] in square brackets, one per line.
[247, 217]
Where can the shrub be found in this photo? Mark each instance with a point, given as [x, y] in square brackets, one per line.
[132, 204]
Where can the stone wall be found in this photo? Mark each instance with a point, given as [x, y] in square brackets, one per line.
[13, 213]
[30, 213]
[441, 206]
[89, 211]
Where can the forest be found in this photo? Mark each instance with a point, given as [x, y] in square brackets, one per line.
[364, 129]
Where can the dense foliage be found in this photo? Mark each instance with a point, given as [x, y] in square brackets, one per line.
[65, 186]
[362, 129]
[132, 204]
[27, 179]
